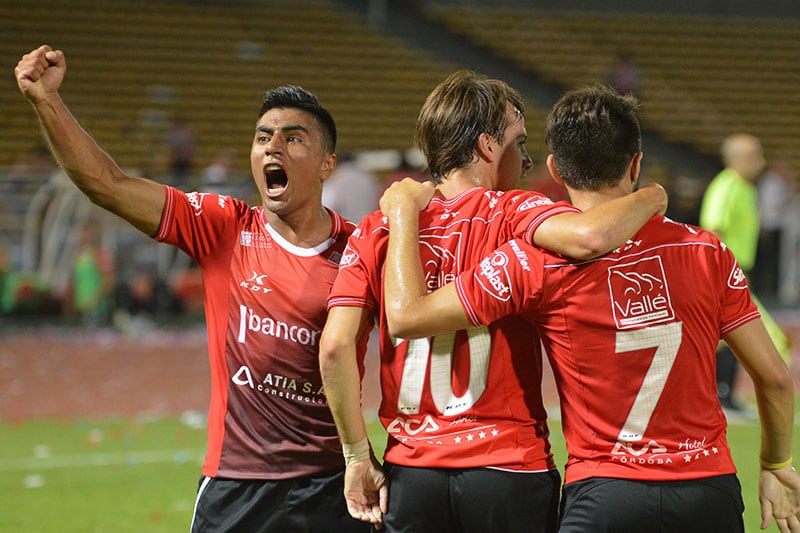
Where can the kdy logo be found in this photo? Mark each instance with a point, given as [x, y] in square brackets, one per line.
[639, 293]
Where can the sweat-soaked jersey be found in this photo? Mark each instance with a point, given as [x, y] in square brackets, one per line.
[265, 305]
[632, 340]
[465, 399]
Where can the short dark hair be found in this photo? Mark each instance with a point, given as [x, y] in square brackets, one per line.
[295, 97]
[593, 133]
[456, 113]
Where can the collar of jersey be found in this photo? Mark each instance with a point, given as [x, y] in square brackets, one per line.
[293, 248]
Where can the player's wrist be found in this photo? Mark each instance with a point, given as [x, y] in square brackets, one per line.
[769, 465]
[356, 452]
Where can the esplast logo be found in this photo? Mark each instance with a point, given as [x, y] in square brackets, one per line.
[639, 293]
[348, 258]
[492, 275]
[737, 279]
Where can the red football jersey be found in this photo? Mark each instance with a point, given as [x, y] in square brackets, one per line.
[632, 338]
[465, 399]
[265, 305]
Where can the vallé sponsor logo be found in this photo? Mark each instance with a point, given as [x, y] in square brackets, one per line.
[492, 275]
[639, 293]
[439, 262]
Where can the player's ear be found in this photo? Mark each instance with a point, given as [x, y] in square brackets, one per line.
[486, 147]
[636, 167]
[551, 166]
[328, 164]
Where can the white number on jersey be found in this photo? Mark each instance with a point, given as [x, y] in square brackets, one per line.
[666, 339]
[441, 357]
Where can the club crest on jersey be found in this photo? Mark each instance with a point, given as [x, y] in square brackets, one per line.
[737, 279]
[439, 254]
[492, 275]
[639, 293]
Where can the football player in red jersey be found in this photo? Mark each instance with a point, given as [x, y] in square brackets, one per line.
[467, 448]
[274, 460]
[631, 337]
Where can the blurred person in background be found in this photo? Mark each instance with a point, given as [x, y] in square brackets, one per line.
[274, 461]
[181, 146]
[351, 191]
[90, 290]
[776, 191]
[730, 210]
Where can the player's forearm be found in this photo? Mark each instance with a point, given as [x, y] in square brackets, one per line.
[137, 200]
[776, 411]
[342, 383]
[404, 282]
[773, 388]
[602, 228]
[87, 165]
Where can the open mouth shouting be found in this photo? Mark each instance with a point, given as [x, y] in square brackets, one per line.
[275, 178]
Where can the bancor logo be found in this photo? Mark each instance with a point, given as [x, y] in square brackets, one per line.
[639, 293]
[250, 321]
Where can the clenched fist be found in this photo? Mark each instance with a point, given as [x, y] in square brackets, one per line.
[40, 73]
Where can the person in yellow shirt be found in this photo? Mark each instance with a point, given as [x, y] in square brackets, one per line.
[730, 210]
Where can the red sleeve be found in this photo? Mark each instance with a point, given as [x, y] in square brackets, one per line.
[738, 307]
[507, 282]
[197, 222]
[358, 271]
[530, 210]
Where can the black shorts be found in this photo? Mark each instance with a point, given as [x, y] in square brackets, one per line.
[308, 504]
[480, 500]
[697, 505]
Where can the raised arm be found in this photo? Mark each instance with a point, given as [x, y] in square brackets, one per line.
[779, 484]
[365, 487]
[410, 311]
[602, 228]
[139, 201]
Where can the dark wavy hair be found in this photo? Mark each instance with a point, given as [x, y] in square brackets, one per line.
[456, 113]
[295, 97]
[593, 133]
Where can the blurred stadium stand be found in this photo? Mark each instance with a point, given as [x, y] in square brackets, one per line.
[708, 68]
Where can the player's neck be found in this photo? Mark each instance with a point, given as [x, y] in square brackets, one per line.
[585, 200]
[305, 230]
[460, 180]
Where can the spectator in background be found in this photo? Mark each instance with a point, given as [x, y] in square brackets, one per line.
[541, 181]
[350, 191]
[730, 210]
[92, 281]
[407, 169]
[181, 143]
[625, 75]
[775, 191]
[218, 175]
